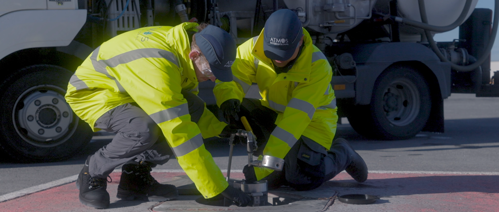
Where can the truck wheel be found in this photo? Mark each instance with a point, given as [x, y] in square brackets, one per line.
[399, 109]
[37, 123]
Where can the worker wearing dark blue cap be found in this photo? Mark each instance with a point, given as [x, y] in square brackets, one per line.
[295, 121]
[212, 41]
[283, 36]
[143, 85]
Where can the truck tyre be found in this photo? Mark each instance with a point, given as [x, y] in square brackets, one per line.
[400, 106]
[37, 123]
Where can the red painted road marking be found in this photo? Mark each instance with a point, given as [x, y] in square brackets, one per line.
[398, 192]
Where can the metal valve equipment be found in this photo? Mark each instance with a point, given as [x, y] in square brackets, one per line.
[257, 190]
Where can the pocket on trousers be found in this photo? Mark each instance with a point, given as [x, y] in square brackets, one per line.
[310, 161]
[136, 141]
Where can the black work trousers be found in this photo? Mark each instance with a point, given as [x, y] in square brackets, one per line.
[307, 165]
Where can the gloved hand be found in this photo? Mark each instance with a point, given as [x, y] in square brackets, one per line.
[228, 130]
[249, 174]
[230, 108]
[236, 195]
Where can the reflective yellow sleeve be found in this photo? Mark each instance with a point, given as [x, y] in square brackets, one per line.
[243, 70]
[209, 125]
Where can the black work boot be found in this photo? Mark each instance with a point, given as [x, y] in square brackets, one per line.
[357, 168]
[92, 189]
[137, 183]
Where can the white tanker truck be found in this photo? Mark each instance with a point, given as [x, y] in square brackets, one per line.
[390, 77]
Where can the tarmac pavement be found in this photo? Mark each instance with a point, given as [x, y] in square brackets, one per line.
[397, 191]
[452, 171]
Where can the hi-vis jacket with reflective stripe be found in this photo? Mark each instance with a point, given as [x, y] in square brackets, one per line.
[302, 97]
[150, 67]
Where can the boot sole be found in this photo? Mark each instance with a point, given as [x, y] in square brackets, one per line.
[363, 162]
[95, 204]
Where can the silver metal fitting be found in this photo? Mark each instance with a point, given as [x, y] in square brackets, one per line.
[256, 187]
[273, 163]
[257, 190]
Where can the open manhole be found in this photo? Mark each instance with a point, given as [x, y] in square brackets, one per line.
[272, 198]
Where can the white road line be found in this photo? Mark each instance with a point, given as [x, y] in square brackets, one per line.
[435, 172]
[373, 172]
[37, 188]
[70, 179]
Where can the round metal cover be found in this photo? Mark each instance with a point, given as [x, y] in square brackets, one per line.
[358, 198]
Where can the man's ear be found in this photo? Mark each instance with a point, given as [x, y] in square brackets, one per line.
[194, 54]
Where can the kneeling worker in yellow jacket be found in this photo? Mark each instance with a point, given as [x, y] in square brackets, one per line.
[296, 118]
[143, 85]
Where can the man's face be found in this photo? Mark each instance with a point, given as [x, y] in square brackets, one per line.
[202, 67]
[281, 63]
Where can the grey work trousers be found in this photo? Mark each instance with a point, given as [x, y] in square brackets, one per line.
[302, 173]
[138, 138]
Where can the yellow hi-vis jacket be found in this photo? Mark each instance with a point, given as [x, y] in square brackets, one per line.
[302, 97]
[150, 67]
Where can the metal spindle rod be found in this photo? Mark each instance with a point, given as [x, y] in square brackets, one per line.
[231, 143]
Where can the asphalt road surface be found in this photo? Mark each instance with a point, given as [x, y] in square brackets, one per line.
[470, 144]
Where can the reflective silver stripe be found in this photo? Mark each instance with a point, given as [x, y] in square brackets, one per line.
[318, 56]
[302, 105]
[122, 90]
[274, 105]
[77, 83]
[255, 39]
[327, 89]
[284, 136]
[277, 106]
[245, 86]
[296, 84]
[138, 54]
[196, 89]
[170, 113]
[188, 146]
[100, 66]
[331, 105]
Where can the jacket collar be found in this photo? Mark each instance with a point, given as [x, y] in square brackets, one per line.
[179, 39]
[300, 72]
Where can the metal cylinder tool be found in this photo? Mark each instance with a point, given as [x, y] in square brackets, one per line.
[257, 190]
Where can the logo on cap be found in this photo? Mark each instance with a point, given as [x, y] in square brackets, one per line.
[228, 64]
[279, 41]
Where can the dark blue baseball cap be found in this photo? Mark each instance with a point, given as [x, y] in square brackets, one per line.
[282, 34]
[219, 48]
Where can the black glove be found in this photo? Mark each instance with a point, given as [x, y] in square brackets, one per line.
[230, 108]
[249, 174]
[228, 130]
[236, 195]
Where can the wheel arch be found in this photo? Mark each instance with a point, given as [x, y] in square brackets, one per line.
[428, 74]
[43, 28]
[380, 57]
[63, 57]
[437, 86]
